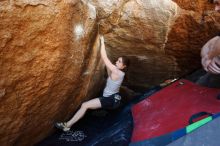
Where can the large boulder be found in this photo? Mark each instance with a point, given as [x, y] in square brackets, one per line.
[162, 38]
[48, 60]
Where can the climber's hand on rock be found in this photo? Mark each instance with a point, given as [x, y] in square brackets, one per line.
[102, 39]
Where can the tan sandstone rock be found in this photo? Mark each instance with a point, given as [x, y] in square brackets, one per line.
[162, 38]
[46, 50]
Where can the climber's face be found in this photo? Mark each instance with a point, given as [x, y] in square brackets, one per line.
[119, 63]
[217, 5]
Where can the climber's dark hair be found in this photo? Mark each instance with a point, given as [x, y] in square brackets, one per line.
[125, 61]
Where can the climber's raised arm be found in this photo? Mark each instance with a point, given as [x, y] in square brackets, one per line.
[105, 58]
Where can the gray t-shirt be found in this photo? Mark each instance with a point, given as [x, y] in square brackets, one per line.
[112, 86]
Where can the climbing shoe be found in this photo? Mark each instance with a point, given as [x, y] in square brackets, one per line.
[62, 126]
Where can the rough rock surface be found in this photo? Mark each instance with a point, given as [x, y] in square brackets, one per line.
[50, 61]
[46, 51]
[161, 37]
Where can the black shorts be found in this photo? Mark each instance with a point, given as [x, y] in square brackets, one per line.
[110, 102]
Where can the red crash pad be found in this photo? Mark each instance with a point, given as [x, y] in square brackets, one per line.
[170, 109]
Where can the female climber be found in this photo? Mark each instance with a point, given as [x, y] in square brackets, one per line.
[111, 98]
